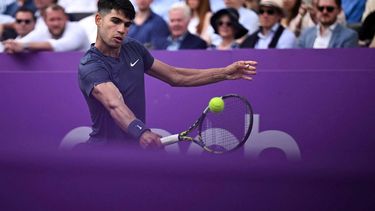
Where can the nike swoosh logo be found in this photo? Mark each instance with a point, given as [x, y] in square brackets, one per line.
[134, 63]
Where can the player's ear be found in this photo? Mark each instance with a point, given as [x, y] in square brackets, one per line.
[98, 18]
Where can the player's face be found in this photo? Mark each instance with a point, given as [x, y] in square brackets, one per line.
[24, 23]
[327, 12]
[112, 28]
[178, 23]
[55, 21]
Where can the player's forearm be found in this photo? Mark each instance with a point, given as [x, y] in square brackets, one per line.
[196, 77]
[122, 116]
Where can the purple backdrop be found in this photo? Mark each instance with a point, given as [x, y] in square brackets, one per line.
[316, 106]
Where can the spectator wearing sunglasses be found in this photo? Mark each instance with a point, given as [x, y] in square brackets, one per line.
[271, 33]
[328, 33]
[62, 35]
[226, 25]
[25, 22]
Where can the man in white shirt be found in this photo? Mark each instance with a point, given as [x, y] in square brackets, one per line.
[328, 33]
[271, 33]
[62, 36]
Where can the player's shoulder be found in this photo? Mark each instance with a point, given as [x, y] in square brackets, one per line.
[91, 56]
[91, 61]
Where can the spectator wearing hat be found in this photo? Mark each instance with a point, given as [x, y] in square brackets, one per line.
[225, 23]
[180, 37]
[271, 33]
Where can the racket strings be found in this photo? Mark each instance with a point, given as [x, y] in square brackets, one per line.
[224, 131]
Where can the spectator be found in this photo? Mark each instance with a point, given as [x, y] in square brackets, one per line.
[291, 8]
[248, 18]
[25, 22]
[62, 36]
[180, 37]
[367, 31]
[328, 33]
[148, 27]
[306, 18]
[271, 33]
[353, 10]
[40, 27]
[370, 7]
[200, 22]
[225, 23]
[252, 4]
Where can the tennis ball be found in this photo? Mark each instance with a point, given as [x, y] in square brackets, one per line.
[216, 104]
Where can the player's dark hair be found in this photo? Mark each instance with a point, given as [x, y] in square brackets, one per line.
[125, 6]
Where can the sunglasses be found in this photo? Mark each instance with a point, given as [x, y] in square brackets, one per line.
[327, 8]
[269, 12]
[221, 23]
[19, 21]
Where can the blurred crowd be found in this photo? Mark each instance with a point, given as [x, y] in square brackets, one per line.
[69, 25]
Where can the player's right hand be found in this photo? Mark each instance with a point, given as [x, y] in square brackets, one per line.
[150, 140]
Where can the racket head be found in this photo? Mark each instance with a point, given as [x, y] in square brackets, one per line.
[227, 130]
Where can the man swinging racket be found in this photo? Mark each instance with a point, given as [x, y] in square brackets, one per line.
[111, 78]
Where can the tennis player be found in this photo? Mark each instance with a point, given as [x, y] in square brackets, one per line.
[111, 78]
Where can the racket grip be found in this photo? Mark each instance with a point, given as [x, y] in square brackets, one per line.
[169, 139]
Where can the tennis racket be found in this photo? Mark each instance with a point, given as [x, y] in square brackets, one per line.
[219, 132]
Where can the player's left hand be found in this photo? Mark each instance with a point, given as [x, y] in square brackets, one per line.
[241, 69]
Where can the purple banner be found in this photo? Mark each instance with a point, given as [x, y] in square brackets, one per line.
[312, 106]
[308, 103]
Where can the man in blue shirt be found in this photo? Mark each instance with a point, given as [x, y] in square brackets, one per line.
[148, 27]
[111, 78]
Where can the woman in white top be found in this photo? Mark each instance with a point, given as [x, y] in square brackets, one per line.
[200, 21]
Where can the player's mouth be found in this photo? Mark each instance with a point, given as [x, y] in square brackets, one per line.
[118, 39]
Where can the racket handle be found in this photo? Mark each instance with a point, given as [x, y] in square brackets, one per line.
[169, 139]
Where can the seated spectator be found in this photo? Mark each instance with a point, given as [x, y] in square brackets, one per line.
[271, 33]
[180, 37]
[252, 4]
[40, 26]
[306, 18]
[62, 36]
[328, 33]
[248, 18]
[25, 22]
[148, 27]
[369, 8]
[291, 8]
[225, 23]
[200, 22]
[353, 10]
[367, 31]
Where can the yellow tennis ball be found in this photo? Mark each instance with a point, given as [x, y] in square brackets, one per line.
[216, 104]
